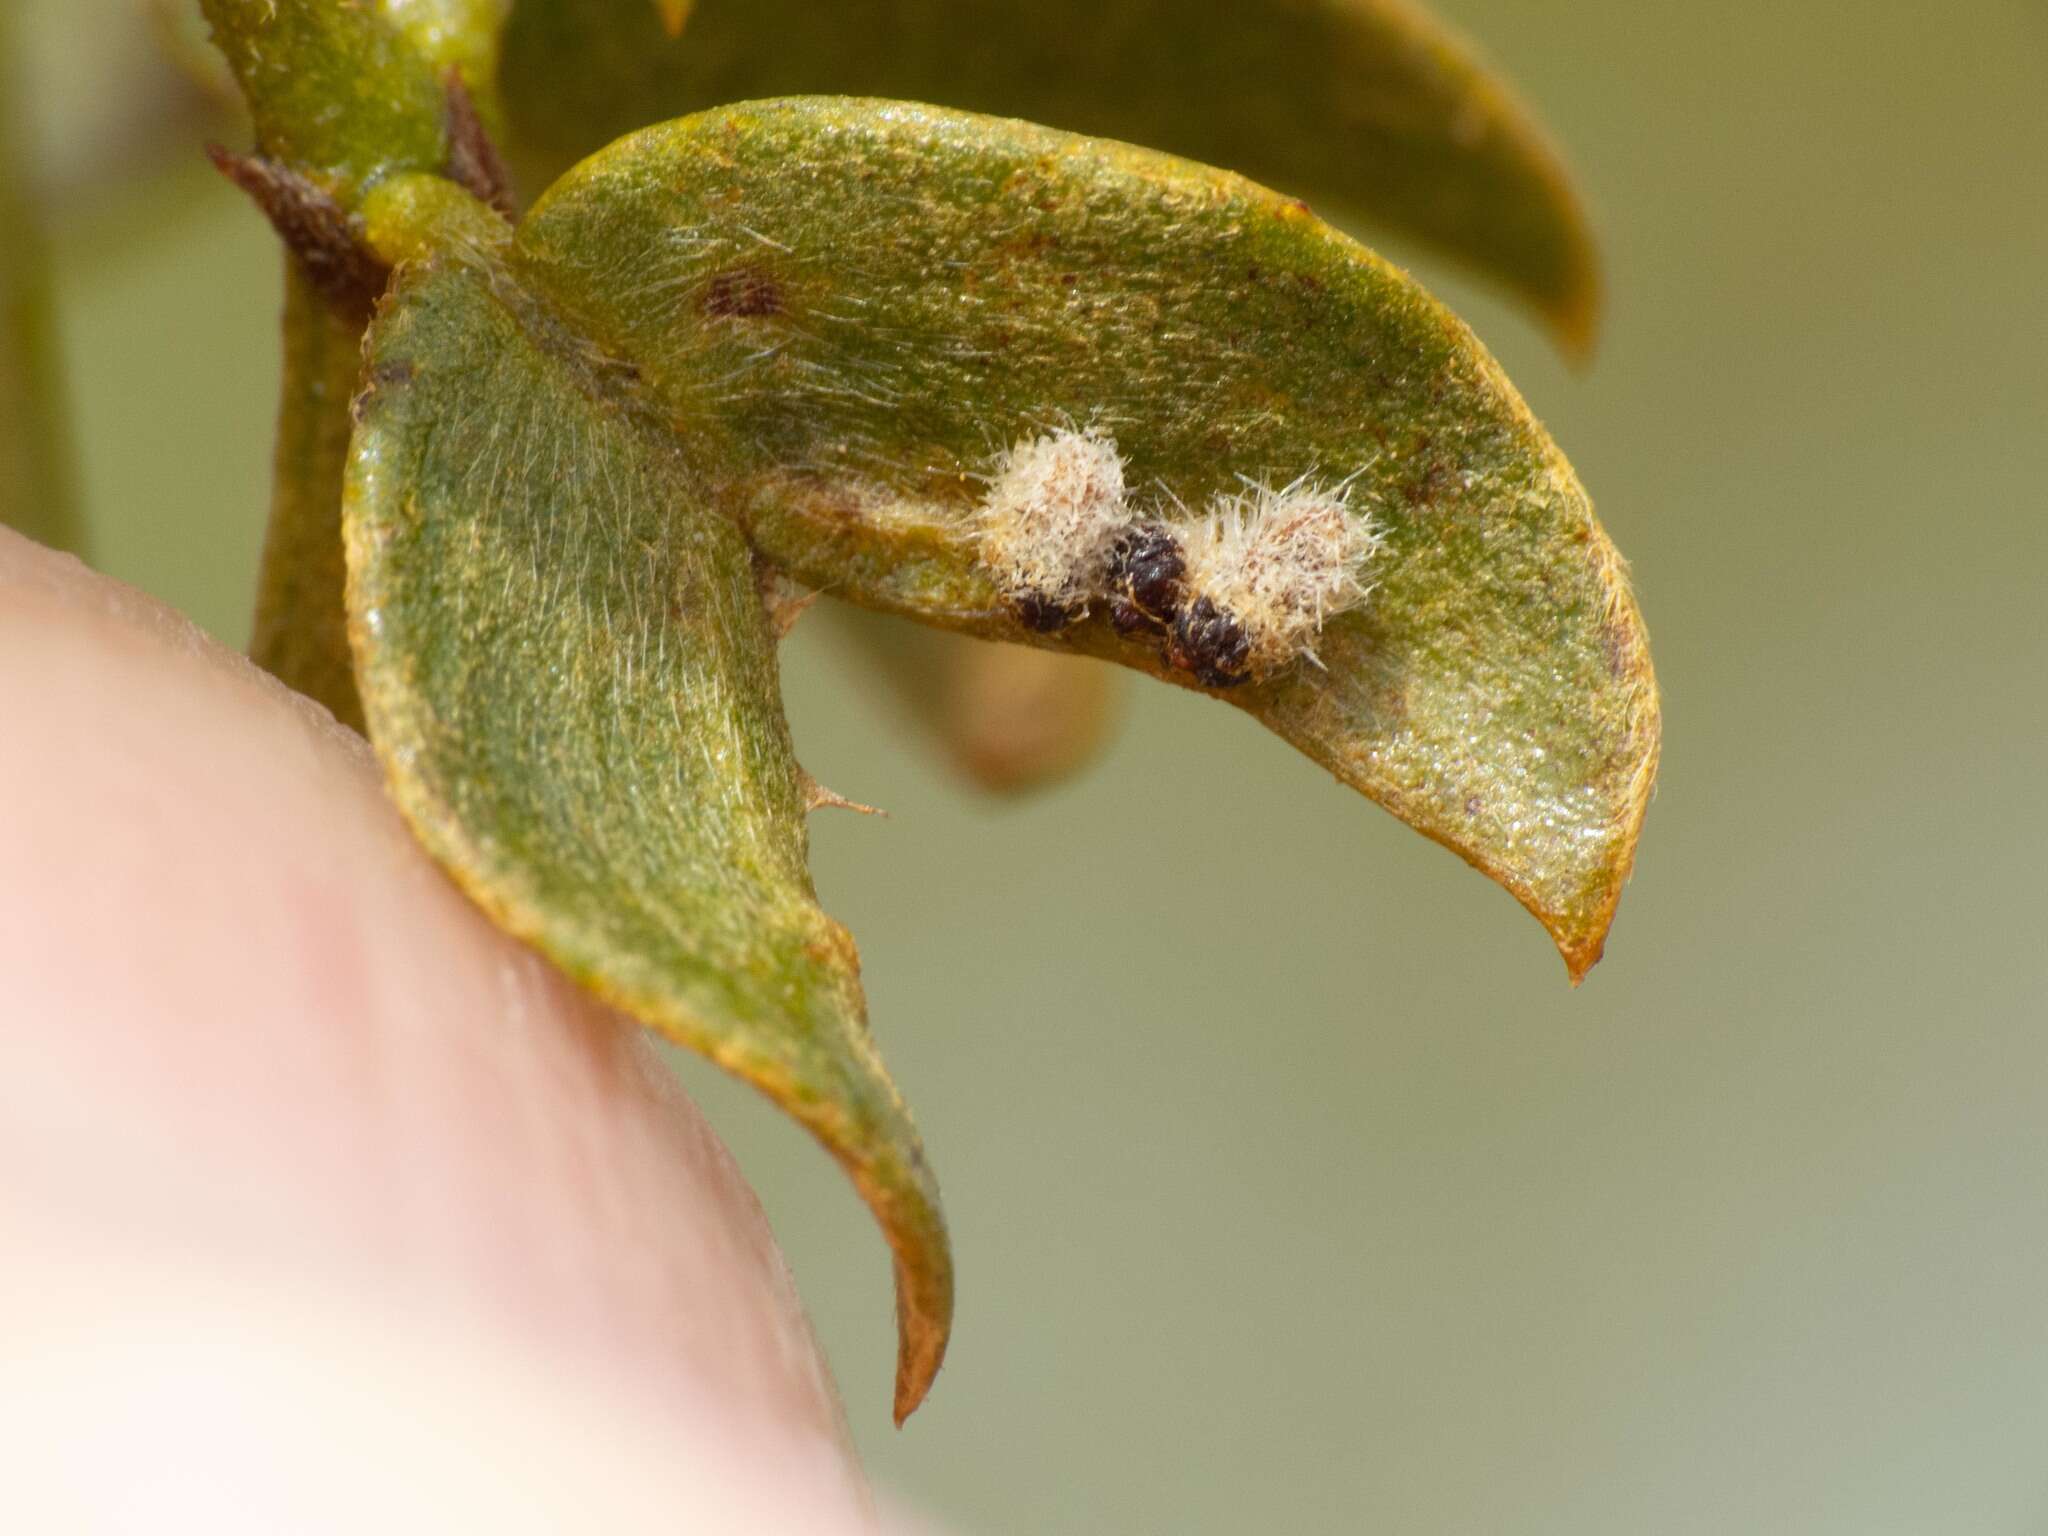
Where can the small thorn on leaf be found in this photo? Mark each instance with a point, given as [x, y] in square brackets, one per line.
[818, 798]
[327, 241]
[473, 159]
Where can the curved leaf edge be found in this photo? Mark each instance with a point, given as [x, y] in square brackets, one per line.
[1579, 934]
[770, 510]
[1573, 311]
[1566, 295]
[914, 1228]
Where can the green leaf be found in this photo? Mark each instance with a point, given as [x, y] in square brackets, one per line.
[1370, 105]
[570, 677]
[802, 332]
[846, 309]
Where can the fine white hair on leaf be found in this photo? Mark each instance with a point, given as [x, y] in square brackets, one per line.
[1053, 505]
[1282, 563]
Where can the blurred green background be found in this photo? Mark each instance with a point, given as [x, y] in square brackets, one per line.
[1366, 1221]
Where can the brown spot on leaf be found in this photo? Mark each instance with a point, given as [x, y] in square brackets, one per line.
[1434, 480]
[620, 374]
[1034, 245]
[747, 292]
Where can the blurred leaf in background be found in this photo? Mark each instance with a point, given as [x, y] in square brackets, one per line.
[1370, 104]
[36, 490]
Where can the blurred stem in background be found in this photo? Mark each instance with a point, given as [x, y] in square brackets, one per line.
[1007, 717]
[300, 631]
[37, 490]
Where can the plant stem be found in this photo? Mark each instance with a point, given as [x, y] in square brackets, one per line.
[340, 96]
[36, 485]
[301, 630]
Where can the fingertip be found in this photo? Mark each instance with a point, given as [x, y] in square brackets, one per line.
[251, 1026]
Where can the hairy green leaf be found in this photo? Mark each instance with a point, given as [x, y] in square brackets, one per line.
[570, 677]
[812, 327]
[847, 309]
[1372, 105]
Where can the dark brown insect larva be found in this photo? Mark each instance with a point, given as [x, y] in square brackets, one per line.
[1146, 569]
[1211, 644]
[1041, 614]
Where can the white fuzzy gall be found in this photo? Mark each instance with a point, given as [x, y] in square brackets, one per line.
[1280, 564]
[1053, 506]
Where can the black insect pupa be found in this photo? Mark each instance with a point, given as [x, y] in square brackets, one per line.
[1146, 573]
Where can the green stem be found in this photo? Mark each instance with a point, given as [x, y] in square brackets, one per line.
[36, 487]
[301, 628]
[342, 96]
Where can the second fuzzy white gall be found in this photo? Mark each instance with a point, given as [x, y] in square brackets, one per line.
[1282, 563]
[1053, 506]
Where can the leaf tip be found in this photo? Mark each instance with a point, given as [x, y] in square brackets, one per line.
[920, 1350]
[673, 14]
[1581, 933]
[905, 1203]
[1574, 314]
[1580, 956]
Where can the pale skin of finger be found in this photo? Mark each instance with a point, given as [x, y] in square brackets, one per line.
[281, 1116]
